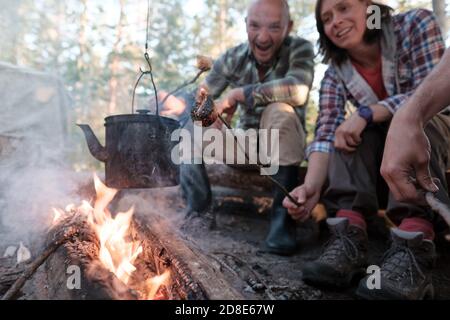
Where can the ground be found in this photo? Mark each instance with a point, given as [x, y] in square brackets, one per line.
[241, 234]
[235, 243]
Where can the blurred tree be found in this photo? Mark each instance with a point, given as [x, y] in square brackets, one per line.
[169, 43]
[217, 27]
[9, 37]
[439, 7]
[114, 66]
[97, 46]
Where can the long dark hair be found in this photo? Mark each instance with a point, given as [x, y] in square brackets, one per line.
[334, 54]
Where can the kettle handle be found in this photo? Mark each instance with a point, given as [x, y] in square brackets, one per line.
[143, 73]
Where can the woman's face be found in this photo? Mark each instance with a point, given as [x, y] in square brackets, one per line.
[344, 22]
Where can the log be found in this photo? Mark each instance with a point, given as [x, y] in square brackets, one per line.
[226, 176]
[242, 179]
[187, 260]
[97, 283]
[192, 276]
[9, 273]
[241, 201]
[31, 269]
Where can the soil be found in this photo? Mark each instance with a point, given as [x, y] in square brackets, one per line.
[235, 245]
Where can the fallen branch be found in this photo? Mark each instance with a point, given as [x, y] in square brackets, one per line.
[51, 248]
[223, 264]
[255, 274]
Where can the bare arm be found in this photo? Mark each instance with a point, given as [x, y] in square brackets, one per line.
[433, 94]
[407, 151]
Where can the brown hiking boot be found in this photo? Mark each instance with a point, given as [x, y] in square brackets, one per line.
[405, 273]
[344, 256]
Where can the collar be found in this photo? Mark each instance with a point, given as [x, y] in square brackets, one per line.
[356, 84]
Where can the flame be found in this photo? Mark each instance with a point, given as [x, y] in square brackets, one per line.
[117, 253]
[155, 283]
[57, 214]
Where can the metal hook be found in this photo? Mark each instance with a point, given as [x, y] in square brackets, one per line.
[142, 73]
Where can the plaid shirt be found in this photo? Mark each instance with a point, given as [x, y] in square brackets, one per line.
[411, 46]
[293, 68]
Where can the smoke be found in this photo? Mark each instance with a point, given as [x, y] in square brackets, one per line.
[35, 174]
[162, 207]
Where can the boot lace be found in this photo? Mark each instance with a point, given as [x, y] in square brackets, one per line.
[399, 261]
[341, 242]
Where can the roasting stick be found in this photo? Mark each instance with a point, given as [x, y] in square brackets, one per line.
[51, 248]
[438, 206]
[441, 208]
[285, 191]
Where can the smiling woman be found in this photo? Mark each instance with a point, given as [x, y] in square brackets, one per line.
[350, 18]
[376, 70]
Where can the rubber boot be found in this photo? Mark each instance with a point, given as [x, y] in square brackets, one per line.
[281, 238]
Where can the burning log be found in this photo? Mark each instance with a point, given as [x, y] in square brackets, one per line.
[126, 258]
[82, 252]
[188, 262]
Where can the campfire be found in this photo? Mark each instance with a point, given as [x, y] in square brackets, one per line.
[120, 255]
[117, 251]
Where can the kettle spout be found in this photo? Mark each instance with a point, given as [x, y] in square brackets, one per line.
[96, 149]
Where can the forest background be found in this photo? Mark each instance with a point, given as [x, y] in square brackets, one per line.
[96, 47]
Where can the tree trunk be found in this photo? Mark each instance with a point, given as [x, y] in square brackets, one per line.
[115, 62]
[81, 65]
[439, 11]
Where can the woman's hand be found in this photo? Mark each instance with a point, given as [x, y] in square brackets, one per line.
[307, 196]
[348, 134]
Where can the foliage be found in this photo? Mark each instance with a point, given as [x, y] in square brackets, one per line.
[97, 47]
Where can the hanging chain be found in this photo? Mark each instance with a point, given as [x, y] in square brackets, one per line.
[150, 70]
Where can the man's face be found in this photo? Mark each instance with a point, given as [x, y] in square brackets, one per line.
[267, 26]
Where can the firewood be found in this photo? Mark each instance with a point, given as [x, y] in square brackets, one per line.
[51, 248]
[226, 176]
[187, 261]
[268, 291]
[8, 275]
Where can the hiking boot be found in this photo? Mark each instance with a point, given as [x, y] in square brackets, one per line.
[344, 256]
[405, 273]
[195, 221]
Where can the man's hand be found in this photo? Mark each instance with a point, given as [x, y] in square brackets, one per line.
[348, 134]
[229, 103]
[307, 196]
[173, 106]
[406, 159]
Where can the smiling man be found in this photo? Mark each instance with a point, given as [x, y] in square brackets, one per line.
[269, 78]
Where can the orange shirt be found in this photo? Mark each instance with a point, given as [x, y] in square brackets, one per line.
[374, 77]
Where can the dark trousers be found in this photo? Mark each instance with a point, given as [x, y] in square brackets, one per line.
[354, 179]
